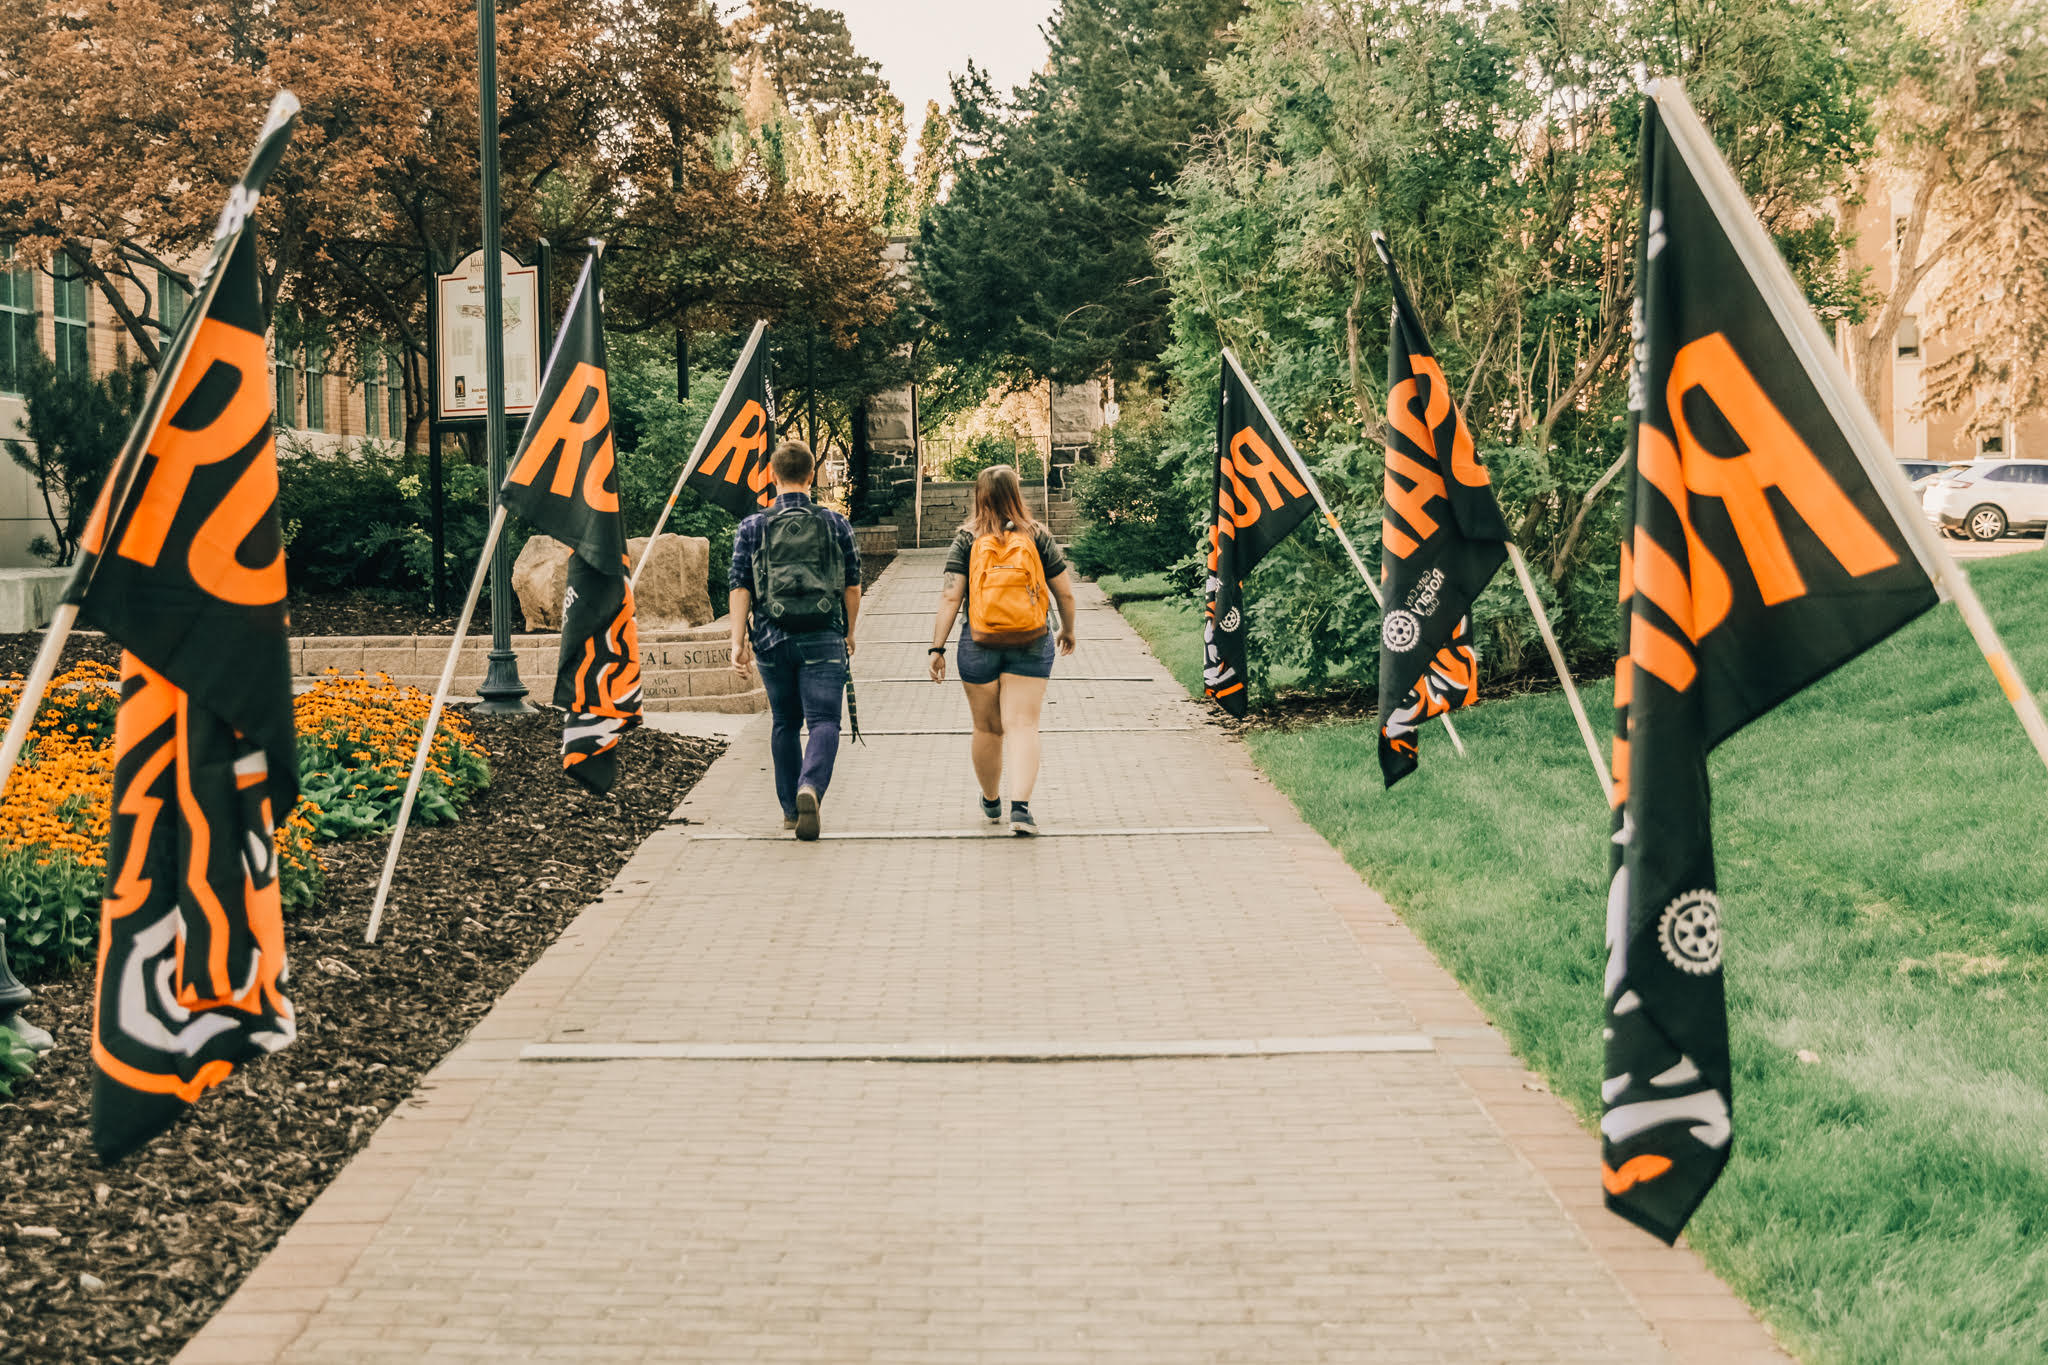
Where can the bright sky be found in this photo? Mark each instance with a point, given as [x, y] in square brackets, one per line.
[921, 42]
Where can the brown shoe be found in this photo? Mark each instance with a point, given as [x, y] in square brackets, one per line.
[806, 814]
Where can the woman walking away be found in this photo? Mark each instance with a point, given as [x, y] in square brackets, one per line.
[1007, 569]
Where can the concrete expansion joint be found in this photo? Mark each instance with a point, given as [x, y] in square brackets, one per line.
[972, 1052]
[709, 835]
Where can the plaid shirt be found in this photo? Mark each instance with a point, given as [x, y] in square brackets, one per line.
[746, 542]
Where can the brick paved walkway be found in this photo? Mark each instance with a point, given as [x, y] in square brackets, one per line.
[1187, 1094]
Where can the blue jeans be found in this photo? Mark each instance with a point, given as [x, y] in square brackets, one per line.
[805, 678]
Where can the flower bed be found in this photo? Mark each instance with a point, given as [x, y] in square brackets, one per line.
[356, 741]
[357, 737]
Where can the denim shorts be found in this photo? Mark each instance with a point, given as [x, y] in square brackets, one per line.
[979, 664]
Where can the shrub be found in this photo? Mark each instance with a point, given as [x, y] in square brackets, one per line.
[655, 434]
[1138, 517]
[360, 517]
[357, 736]
[72, 429]
[988, 449]
[17, 1060]
[50, 903]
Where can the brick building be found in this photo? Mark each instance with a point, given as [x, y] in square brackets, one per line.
[325, 393]
[1915, 434]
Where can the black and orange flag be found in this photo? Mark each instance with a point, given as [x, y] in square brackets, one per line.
[1441, 540]
[564, 478]
[1758, 555]
[183, 564]
[738, 437]
[1259, 497]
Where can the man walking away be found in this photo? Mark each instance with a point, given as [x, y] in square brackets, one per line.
[795, 599]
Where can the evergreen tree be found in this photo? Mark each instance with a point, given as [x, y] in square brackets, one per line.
[1041, 259]
[72, 429]
[808, 55]
[931, 172]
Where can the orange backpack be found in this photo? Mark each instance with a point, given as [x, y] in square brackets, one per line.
[1008, 602]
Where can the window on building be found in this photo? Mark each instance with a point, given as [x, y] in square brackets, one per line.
[73, 350]
[316, 386]
[1991, 447]
[370, 364]
[17, 320]
[287, 388]
[1908, 339]
[394, 393]
[170, 301]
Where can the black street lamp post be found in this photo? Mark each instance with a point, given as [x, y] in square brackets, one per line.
[502, 691]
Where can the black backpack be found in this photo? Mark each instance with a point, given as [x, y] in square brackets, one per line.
[799, 571]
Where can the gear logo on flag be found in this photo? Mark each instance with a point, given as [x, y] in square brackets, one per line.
[1690, 932]
[1231, 621]
[1400, 631]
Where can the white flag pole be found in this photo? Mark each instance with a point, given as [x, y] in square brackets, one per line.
[1330, 518]
[732, 382]
[1564, 675]
[419, 758]
[33, 688]
[1802, 332]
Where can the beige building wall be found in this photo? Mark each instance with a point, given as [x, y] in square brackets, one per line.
[1915, 433]
[344, 418]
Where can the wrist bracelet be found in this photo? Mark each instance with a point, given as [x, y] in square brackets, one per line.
[936, 649]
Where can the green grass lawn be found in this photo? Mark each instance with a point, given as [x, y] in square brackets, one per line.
[1138, 587]
[1883, 859]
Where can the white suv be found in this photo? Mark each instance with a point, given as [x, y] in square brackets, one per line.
[1990, 498]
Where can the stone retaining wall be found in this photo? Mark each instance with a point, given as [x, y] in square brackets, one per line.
[682, 670]
[875, 540]
[946, 505]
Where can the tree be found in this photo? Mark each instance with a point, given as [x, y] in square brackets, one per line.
[73, 429]
[128, 123]
[930, 173]
[709, 232]
[1496, 145]
[102, 145]
[806, 52]
[858, 158]
[1041, 260]
[1966, 136]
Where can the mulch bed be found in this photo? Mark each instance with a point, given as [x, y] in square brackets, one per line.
[361, 612]
[17, 652]
[166, 1236]
[1291, 711]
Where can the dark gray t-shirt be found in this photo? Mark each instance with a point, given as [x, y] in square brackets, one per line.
[1048, 551]
[1049, 555]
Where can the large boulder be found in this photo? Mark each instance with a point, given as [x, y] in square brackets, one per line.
[540, 578]
[675, 588]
